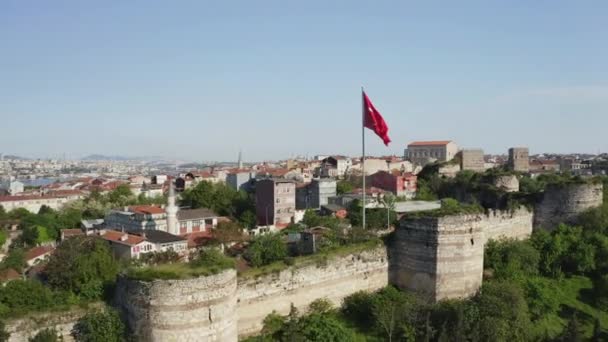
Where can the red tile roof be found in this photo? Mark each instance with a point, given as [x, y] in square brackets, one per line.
[197, 239]
[430, 143]
[9, 274]
[146, 209]
[53, 194]
[116, 236]
[38, 251]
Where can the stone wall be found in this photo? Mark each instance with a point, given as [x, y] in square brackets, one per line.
[199, 309]
[334, 280]
[22, 329]
[508, 183]
[443, 257]
[564, 202]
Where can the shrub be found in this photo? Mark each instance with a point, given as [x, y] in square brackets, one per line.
[100, 327]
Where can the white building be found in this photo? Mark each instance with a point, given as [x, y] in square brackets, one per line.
[12, 187]
[32, 203]
[425, 152]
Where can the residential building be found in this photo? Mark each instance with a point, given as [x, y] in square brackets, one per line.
[315, 194]
[241, 180]
[397, 182]
[32, 203]
[134, 244]
[335, 166]
[275, 201]
[38, 254]
[137, 217]
[472, 160]
[519, 159]
[196, 220]
[425, 152]
[12, 187]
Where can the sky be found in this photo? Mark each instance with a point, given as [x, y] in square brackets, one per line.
[201, 80]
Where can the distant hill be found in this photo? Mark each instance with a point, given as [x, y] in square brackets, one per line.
[10, 156]
[119, 158]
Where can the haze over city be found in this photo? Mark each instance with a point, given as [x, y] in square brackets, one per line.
[200, 80]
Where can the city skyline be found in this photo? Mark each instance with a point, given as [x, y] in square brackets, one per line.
[201, 81]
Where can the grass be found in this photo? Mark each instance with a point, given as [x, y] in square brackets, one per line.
[320, 259]
[207, 263]
[171, 271]
[572, 296]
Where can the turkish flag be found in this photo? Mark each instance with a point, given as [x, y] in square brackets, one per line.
[374, 121]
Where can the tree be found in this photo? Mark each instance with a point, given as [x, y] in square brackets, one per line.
[4, 335]
[572, 333]
[320, 306]
[503, 312]
[121, 196]
[319, 327]
[82, 265]
[21, 296]
[343, 187]
[273, 323]
[15, 260]
[597, 331]
[540, 295]
[388, 200]
[389, 308]
[511, 259]
[227, 232]
[357, 308]
[100, 327]
[248, 219]
[45, 335]
[266, 249]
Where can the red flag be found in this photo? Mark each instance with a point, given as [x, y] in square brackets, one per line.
[374, 121]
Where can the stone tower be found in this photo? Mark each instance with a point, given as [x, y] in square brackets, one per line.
[171, 210]
[518, 159]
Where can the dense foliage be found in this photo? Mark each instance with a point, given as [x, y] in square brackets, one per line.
[100, 327]
[46, 335]
[266, 249]
[222, 199]
[84, 266]
[21, 296]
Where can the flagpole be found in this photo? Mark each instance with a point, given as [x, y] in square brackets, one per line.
[363, 150]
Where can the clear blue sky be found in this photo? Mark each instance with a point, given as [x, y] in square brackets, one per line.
[201, 79]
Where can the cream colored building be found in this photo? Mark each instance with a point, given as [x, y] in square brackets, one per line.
[424, 152]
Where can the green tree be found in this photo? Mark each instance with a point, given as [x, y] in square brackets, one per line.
[82, 265]
[320, 306]
[311, 219]
[390, 308]
[597, 331]
[20, 296]
[248, 219]
[572, 333]
[343, 187]
[503, 312]
[121, 196]
[45, 335]
[273, 324]
[15, 260]
[228, 232]
[3, 237]
[100, 327]
[540, 296]
[319, 327]
[266, 249]
[3, 214]
[357, 308]
[511, 259]
[600, 291]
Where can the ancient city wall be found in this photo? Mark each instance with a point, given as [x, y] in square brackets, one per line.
[443, 256]
[213, 308]
[199, 309]
[22, 329]
[564, 202]
[515, 224]
[334, 280]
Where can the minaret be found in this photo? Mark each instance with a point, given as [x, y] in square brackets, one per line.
[171, 210]
[240, 159]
